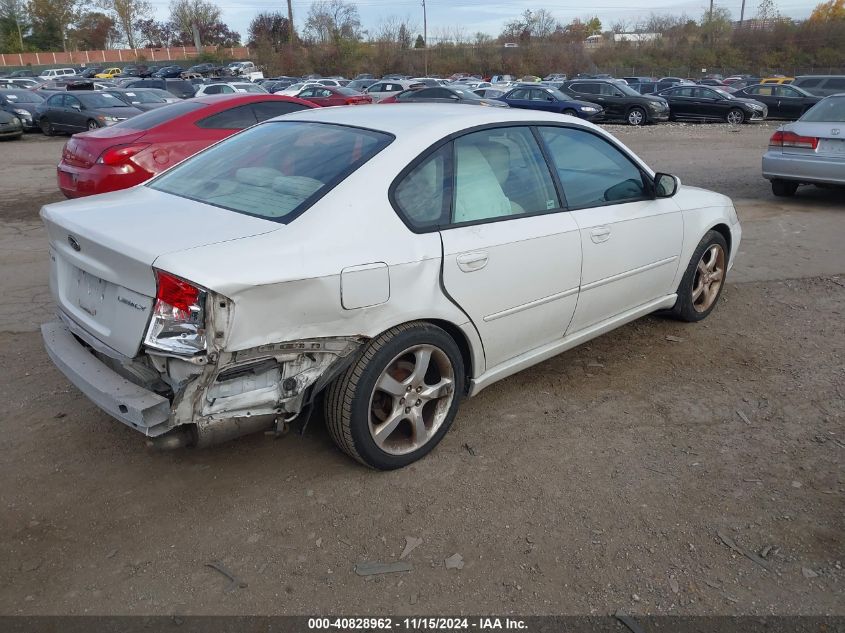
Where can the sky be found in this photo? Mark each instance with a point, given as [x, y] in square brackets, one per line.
[488, 16]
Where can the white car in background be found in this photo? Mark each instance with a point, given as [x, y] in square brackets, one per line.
[248, 70]
[388, 88]
[396, 258]
[229, 87]
[295, 89]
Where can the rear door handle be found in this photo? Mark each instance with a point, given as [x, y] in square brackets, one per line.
[600, 234]
[469, 262]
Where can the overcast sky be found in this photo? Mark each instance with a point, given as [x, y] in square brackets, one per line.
[486, 16]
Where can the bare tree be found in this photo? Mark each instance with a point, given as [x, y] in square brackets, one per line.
[185, 14]
[333, 21]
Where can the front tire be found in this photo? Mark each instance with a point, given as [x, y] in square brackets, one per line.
[784, 188]
[703, 280]
[735, 116]
[396, 402]
[636, 116]
[47, 127]
[570, 112]
[93, 125]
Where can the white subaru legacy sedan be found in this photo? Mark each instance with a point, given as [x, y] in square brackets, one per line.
[394, 260]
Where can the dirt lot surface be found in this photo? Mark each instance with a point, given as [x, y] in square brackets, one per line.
[696, 474]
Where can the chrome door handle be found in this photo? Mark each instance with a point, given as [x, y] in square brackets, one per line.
[469, 262]
[600, 234]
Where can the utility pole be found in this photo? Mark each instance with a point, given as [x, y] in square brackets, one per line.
[290, 25]
[425, 38]
[742, 14]
[711, 10]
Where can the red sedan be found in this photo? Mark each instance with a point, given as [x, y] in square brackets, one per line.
[135, 150]
[331, 96]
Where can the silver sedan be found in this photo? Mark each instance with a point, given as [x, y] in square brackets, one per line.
[809, 151]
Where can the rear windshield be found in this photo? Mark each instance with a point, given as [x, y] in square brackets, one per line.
[149, 120]
[830, 110]
[274, 170]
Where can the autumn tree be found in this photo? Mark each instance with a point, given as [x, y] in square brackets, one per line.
[93, 30]
[272, 28]
[832, 11]
[126, 14]
[205, 16]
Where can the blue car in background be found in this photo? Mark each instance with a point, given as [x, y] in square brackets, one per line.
[551, 99]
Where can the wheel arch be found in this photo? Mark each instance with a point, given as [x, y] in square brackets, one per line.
[463, 343]
[725, 231]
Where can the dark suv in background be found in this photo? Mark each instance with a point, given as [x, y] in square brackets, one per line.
[619, 100]
[821, 85]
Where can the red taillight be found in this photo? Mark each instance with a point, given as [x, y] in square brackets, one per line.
[791, 139]
[119, 154]
[176, 292]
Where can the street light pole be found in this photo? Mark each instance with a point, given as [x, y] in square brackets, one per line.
[425, 39]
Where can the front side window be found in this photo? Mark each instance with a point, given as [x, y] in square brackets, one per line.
[274, 170]
[519, 94]
[591, 170]
[498, 173]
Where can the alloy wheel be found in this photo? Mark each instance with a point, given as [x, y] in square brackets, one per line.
[709, 277]
[736, 117]
[411, 399]
[635, 117]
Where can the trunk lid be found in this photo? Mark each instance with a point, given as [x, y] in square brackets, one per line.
[83, 150]
[102, 251]
[829, 144]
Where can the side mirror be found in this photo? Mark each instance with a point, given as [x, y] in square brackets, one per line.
[666, 185]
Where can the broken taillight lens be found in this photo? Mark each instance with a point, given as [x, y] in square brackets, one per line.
[791, 139]
[178, 320]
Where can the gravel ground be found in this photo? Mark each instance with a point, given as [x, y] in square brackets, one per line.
[696, 474]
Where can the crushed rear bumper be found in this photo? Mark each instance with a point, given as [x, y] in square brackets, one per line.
[139, 408]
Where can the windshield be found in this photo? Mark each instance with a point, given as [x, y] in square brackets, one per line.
[830, 110]
[627, 89]
[142, 96]
[21, 96]
[274, 170]
[101, 100]
[557, 94]
[466, 94]
[349, 92]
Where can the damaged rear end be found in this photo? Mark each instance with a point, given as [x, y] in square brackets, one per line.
[147, 346]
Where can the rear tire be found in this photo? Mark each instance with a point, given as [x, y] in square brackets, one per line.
[396, 402]
[93, 125]
[784, 188]
[703, 280]
[47, 127]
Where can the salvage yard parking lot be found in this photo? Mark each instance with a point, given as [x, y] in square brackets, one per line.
[664, 468]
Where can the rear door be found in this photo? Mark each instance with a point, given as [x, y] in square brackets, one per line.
[631, 242]
[511, 255]
[790, 102]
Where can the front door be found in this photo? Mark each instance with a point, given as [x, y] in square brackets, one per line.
[631, 242]
[511, 255]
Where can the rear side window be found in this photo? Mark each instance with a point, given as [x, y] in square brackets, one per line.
[810, 82]
[592, 171]
[500, 173]
[423, 195]
[269, 109]
[837, 83]
[232, 119]
[275, 170]
[151, 119]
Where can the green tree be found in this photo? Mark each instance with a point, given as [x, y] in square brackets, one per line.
[420, 42]
[126, 14]
[51, 20]
[13, 24]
